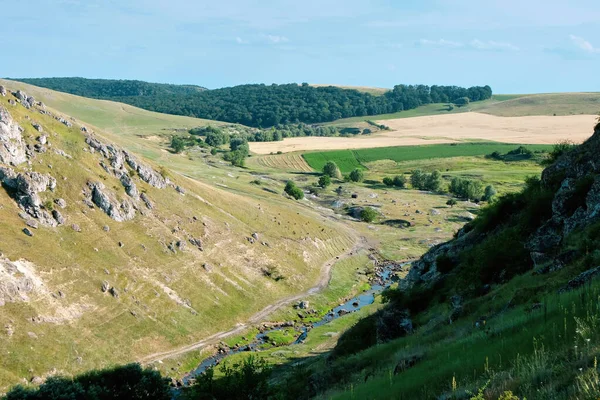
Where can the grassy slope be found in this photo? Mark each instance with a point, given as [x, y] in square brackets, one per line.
[347, 160]
[106, 333]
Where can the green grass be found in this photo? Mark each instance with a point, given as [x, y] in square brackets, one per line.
[347, 160]
[532, 353]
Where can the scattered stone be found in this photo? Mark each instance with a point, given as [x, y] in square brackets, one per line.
[106, 228]
[207, 267]
[179, 189]
[147, 201]
[255, 236]
[121, 244]
[32, 335]
[28, 232]
[76, 228]
[60, 202]
[303, 305]
[105, 286]
[197, 243]
[38, 127]
[58, 217]
[36, 380]
[2, 91]
[114, 292]
[434, 212]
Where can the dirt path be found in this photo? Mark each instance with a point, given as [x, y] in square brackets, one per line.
[324, 279]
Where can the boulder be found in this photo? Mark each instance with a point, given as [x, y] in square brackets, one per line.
[105, 286]
[146, 201]
[60, 203]
[197, 243]
[28, 232]
[58, 217]
[102, 198]
[12, 147]
[43, 139]
[179, 189]
[130, 187]
[2, 91]
[76, 228]
[37, 127]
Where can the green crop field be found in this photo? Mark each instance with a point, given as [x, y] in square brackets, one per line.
[347, 160]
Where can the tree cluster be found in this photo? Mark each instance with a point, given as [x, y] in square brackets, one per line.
[398, 181]
[424, 181]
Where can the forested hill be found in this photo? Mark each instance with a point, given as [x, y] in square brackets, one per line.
[264, 105]
[109, 89]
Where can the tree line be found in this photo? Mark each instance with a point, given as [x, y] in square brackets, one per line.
[260, 105]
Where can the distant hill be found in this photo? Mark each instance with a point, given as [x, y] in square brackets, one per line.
[111, 88]
[263, 105]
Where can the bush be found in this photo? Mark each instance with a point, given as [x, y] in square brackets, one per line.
[215, 137]
[120, 383]
[387, 181]
[324, 181]
[294, 191]
[444, 264]
[422, 181]
[248, 379]
[357, 175]
[489, 193]
[400, 181]
[331, 169]
[451, 203]
[466, 189]
[368, 214]
[213, 151]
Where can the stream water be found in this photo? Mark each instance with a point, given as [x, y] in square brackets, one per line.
[384, 278]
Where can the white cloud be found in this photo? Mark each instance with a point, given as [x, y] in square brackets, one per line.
[440, 43]
[239, 40]
[475, 44]
[492, 45]
[276, 39]
[584, 45]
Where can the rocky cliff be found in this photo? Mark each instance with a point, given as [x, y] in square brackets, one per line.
[571, 202]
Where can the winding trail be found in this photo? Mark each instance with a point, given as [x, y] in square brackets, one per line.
[325, 277]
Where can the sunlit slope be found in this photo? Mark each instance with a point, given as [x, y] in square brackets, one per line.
[169, 292]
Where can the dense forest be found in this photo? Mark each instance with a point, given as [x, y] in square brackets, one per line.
[110, 88]
[264, 105]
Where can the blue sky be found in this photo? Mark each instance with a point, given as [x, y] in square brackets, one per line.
[515, 46]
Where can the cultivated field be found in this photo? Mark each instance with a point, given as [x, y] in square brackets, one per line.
[449, 129]
[347, 160]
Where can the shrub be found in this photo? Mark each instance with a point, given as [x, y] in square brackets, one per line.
[400, 181]
[331, 169]
[357, 175]
[387, 181]
[177, 144]
[444, 264]
[451, 203]
[248, 379]
[489, 193]
[324, 181]
[121, 383]
[294, 191]
[417, 179]
[213, 151]
[368, 214]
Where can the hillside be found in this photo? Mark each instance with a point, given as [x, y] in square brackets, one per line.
[109, 258]
[271, 105]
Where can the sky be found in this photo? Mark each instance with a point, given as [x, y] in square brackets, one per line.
[515, 46]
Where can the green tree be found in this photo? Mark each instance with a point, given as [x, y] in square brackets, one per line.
[357, 175]
[433, 181]
[331, 169]
[418, 179]
[215, 137]
[213, 151]
[177, 144]
[324, 181]
[387, 181]
[474, 190]
[399, 181]
[451, 203]
[368, 214]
